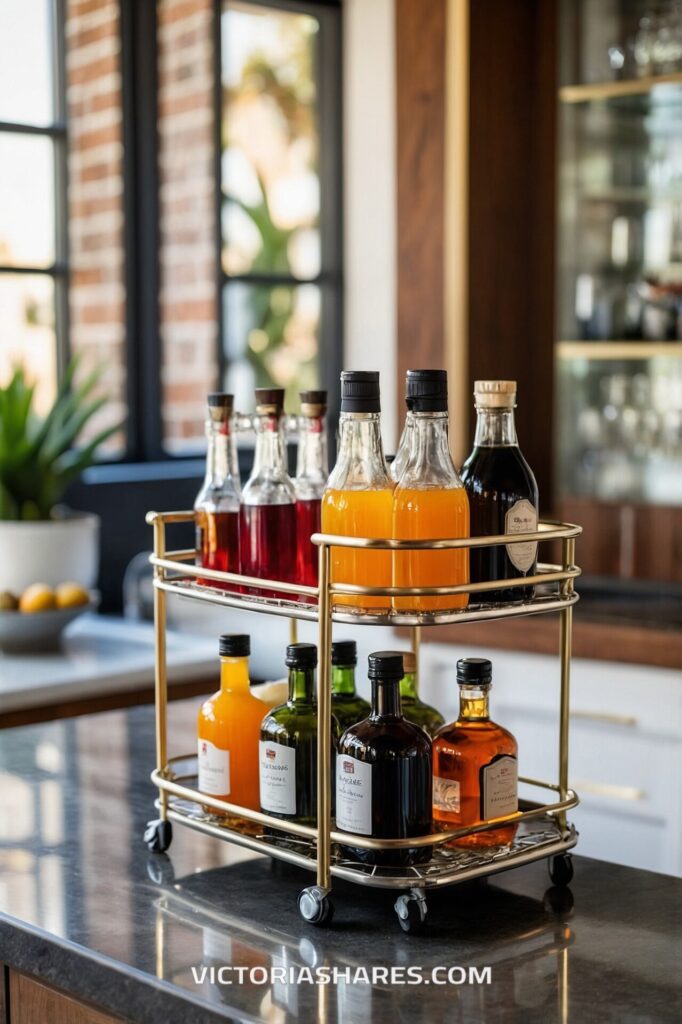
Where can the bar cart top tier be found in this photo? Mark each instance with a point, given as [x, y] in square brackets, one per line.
[553, 583]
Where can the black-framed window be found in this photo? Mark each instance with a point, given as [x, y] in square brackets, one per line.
[33, 212]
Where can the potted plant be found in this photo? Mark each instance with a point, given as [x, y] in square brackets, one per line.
[39, 539]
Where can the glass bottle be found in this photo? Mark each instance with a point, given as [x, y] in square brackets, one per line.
[414, 709]
[474, 763]
[312, 470]
[228, 730]
[402, 455]
[347, 705]
[430, 502]
[383, 772]
[288, 744]
[358, 499]
[216, 509]
[268, 506]
[503, 494]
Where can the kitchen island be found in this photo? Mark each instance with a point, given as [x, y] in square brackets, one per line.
[94, 928]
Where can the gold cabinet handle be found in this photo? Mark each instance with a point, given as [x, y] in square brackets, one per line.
[605, 716]
[629, 793]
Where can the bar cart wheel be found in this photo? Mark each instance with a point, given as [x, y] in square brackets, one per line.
[158, 835]
[160, 869]
[315, 905]
[561, 869]
[411, 909]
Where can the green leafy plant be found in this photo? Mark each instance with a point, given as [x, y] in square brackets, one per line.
[39, 457]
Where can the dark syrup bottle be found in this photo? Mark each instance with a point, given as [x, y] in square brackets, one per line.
[503, 494]
[383, 772]
[347, 706]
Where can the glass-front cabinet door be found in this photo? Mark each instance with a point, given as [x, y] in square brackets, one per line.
[618, 451]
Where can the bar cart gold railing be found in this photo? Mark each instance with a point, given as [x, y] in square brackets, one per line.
[543, 830]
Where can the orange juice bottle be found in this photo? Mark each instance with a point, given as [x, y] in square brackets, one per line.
[228, 730]
[358, 499]
[430, 502]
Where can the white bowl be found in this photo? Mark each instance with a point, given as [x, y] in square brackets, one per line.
[51, 551]
[37, 632]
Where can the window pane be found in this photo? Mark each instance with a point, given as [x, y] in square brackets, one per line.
[27, 335]
[270, 141]
[271, 338]
[27, 207]
[26, 63]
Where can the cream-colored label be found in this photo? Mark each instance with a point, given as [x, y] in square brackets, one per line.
[353, 795]
[214, 769]
[446, 795]
[522, 517]
[277, 777]
[499, 788]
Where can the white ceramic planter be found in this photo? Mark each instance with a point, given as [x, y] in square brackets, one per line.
[49, 552]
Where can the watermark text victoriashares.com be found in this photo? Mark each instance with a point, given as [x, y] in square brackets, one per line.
[374, 975]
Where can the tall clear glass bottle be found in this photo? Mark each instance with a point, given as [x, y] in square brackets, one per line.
[312, 470]
[216, 509]
[414, 709]
[503, 493]
[358, 499]
[403, 453]
[347, 705]
[430, 502]
[268, 506]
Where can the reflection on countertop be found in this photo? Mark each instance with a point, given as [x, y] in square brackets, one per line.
[86, 907]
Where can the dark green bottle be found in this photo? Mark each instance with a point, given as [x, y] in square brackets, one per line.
[288, 744]
[347, 707]
[414, 709]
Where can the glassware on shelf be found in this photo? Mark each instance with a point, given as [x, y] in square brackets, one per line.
[347, 706]
[217, 504]
[396, 467]
[312, 470]
[414, 709]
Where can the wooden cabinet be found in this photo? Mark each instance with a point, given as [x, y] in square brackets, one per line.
[32, 1002]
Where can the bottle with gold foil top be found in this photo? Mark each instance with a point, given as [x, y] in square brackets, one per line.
[216, 509]
[503, 494]
[474, 763]
[358, 500]
[414, 709]
[430, 502]
[312, 470]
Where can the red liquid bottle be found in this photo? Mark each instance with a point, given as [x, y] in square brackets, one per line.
[216, 509]
[312, 470]
[267, 516]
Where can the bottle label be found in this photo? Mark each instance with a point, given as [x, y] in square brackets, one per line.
[214, 769]
[446, 795]
[522, 517]
[499, 787]
[353, 795]
[277, 777]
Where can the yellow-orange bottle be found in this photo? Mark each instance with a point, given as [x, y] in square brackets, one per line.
[228, 730]
[430, 502]
[358, 500]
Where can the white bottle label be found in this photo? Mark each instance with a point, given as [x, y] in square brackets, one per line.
[522, 517]
[277, 771]
[446, 794]
[499, 788]
[353, 795]
[214, 769]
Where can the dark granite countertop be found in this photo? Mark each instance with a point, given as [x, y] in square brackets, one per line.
[85, 907]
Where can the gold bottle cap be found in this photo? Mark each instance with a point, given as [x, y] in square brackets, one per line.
[495, 394]
[409, 663]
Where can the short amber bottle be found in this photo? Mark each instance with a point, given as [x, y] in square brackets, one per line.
[474, 763]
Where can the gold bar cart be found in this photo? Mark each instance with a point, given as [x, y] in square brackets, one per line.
[543, 830]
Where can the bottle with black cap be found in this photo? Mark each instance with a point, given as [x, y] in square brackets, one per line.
[430, 502]
[358, 500]
[475, 763]
[347, 705]
[288, 744]
[268, 506]
[312, 470]
[216, 509]
[383, 772]
[228, 729]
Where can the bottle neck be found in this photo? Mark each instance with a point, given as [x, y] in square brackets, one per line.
[473, 703]
[495, 428]
[386, 698]
[343, 680]
[221, 454]
[429, 460]
[312, 465]
[360, 464]
[234, 675]
[302, 685]
[404, 447]
[408, 686]
[270, 452]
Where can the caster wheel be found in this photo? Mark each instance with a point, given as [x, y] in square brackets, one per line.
[315, 905]
[561, 869]
[160, 869]
[559, 901]
[158, 835]
[411, 910]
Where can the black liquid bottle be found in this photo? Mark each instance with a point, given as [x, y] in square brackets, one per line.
[503, 494]
[383, 772]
